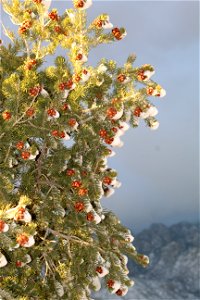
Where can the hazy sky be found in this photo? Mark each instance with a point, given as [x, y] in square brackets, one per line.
[158, 169]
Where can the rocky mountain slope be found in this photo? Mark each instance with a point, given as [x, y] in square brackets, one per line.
[175, 263]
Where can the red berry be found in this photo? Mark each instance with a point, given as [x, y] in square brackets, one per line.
[34, 91]
[119, 292]
[27, 24]
[30, 112]
[20, 145]
[55, 133]
[6, 115]
[79, 56]
[65, 106]
[2, 225]
[98, 23]
[111, 112]
[20, 214]
[107, 180]
[137, 111]
[70, 172]
[99, 270]
[30, 64]
[149, 90]
[90, 216]
[25, 155]
[53, 16]
[76, 184]
[79, 206]
[85, 72]
[18, 263]
[22, 239]
[62, 134]
[69, 84]
[57, 29]
[110, 283]
[22, 30]
[114, 129]
[121, 77]
[109, 140]
[61, 86]
[76, 78]
[51, 112]
[141, 76]
[117, 34]
[72, 122]
[82, 192]
[102, 133]
[79, 3]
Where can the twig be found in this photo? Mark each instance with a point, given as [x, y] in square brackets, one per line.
[2, 135]
[24, 113]
[39, 166]
[86, 120]
[38, 49]
[27, 48]
[8, 152]
[43, 128]
[52, 183]
[74, 239]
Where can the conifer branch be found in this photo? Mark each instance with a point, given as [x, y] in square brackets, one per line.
[24, 113]
[6, 295]
[75, 239]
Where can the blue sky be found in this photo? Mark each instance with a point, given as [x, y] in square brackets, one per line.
[158, 169]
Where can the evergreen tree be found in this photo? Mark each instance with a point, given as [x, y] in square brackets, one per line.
[58, 126]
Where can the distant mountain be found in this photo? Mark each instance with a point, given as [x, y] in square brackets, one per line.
[174, 271]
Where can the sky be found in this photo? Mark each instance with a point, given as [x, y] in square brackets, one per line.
[158, 169]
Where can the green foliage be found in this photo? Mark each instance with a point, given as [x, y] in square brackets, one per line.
[58, 125]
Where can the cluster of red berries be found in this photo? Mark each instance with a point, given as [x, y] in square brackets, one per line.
[30, 64]
[53, 15]
[24, 154]
[121, 77]
[22, 239]
[79, 56]
[117, 33]
[111, 112]
[34, 91]
[141, 76]
[137, 112]
[51, 112]
[66, 85]
[24, 27]
[104, 134]
[72, 122]
[59, 134]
